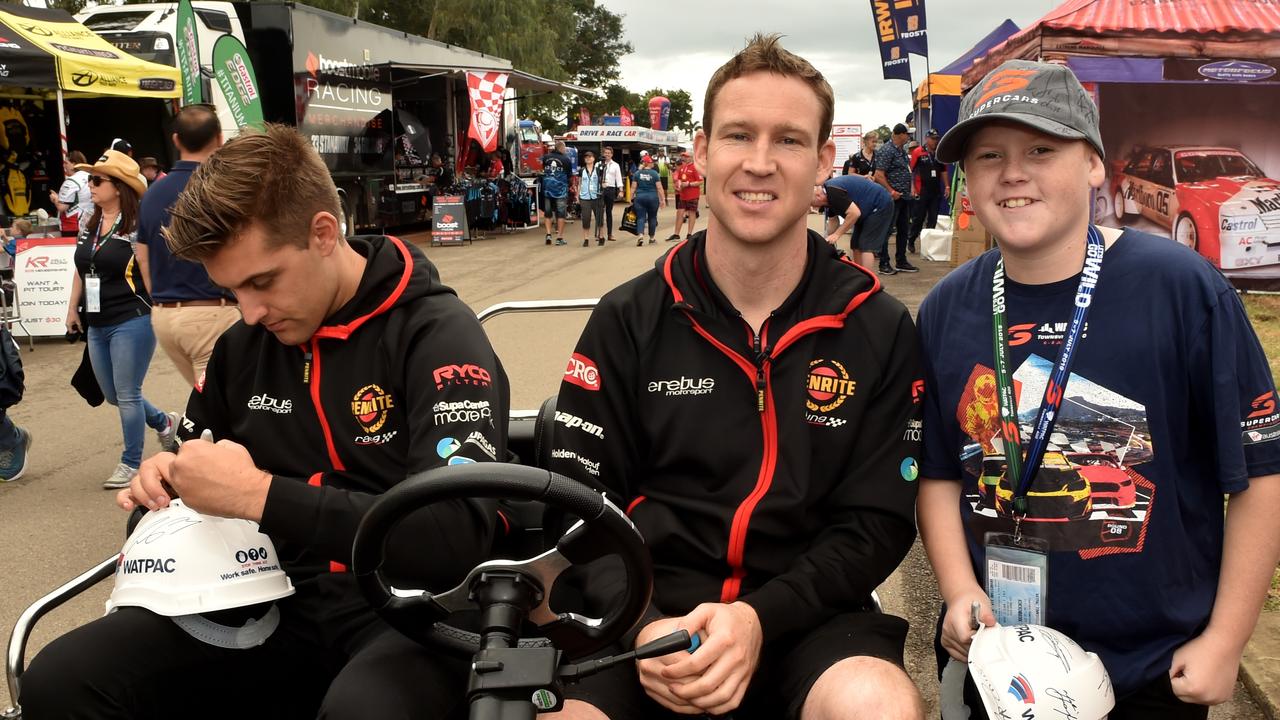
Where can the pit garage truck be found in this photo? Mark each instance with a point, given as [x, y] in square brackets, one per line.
[375, 102]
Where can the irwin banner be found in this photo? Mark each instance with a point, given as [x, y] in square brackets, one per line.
[893, 55]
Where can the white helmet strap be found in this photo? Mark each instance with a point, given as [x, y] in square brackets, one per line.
[252, 634]
[951, 691]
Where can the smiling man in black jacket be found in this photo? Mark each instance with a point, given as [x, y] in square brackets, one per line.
[353, 367]
[752, 402]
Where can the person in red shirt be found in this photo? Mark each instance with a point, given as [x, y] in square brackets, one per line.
[688, 192]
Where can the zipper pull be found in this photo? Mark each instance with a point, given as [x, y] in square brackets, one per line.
[760, 388]
[306, 367]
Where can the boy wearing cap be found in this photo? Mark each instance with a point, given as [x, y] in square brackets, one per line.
[1111, 528]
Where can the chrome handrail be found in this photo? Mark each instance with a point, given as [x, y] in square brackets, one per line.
[524, 306]
[15, 657]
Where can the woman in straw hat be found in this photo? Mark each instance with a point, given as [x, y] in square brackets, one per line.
[110, 302]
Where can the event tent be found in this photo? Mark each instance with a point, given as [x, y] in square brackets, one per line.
[940, 93]
[1236, 29]
[46, 53]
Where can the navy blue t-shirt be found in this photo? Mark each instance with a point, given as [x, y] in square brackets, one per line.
[172, 279]
[555, 175]
[866, 193]
[1170, 404]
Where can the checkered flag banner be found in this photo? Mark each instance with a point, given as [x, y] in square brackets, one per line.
[486, 90]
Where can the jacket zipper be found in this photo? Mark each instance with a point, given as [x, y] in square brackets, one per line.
[311, 372]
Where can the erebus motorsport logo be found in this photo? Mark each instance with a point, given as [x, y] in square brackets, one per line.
[582, 371]
[267, 403]
[370, 406]
[683, 386]
[828, 386]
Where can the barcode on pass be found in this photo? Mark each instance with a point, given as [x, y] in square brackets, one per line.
[1014, 573]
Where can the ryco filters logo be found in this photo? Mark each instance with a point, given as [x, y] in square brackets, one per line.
[466, 374]
[582, 371]
[370, 406]
[828, 385]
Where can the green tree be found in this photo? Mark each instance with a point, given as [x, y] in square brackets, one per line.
[882, 131]
[590, 55]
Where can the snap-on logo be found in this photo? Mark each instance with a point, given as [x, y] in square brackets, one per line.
[582, 371]
[466, 374]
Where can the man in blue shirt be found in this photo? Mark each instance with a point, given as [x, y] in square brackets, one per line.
[555, 190]
[893, 171]
[857, 203]
[189, 312]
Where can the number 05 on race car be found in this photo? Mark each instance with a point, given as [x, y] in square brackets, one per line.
[1212, 199]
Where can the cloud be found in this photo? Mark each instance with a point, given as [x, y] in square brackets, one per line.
[678, 45]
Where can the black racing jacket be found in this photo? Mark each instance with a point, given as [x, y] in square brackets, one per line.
[778, 468]
[399, 380]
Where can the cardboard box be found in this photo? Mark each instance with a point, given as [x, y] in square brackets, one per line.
[969, 239]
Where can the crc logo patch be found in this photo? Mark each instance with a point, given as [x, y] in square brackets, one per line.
[465, 374]
[828, 386]
[370, 407]
[582, 371]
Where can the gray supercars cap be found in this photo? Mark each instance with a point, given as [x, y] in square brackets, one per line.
[1042, 96]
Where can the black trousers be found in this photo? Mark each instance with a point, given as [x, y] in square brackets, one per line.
[902, 228]
[610, 196]
[135, 664]
[925, 215]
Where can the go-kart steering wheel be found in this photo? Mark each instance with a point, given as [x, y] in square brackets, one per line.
[604, 530]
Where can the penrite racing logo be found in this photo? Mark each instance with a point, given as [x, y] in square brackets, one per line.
[370, 406]
[828, 386]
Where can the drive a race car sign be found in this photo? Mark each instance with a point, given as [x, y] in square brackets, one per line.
[449, 221]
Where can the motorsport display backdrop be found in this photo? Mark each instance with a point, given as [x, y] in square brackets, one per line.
[1187, 97]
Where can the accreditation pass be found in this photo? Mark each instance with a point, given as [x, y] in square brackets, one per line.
[1017, 579]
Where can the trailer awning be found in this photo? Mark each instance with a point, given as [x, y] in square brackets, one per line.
[516, 78]
[48, 50]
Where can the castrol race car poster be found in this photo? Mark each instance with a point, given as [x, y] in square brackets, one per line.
[1198, 162]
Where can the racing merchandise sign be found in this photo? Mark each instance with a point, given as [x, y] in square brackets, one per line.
[44, 269]
[449, 221]
[486, 90]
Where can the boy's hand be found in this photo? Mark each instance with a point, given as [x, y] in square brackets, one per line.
[1204, 671]
[957, 624]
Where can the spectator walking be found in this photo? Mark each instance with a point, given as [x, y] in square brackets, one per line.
[647, 198]
[688, 182]
[109, 301]
[931, 186]
[893, 171]
[611, 187]
[72, 198]
[555, 190]
[591, 198]
[664, 172]
[188, 313]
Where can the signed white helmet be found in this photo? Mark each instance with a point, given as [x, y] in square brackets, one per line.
[180, 563]
[1029, 671]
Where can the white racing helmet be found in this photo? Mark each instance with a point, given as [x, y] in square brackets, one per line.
[179, 563]
[1029, 671]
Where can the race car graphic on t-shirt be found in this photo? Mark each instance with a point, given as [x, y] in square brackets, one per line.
[1087, 496]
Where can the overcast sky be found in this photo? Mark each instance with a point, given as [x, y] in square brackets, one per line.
[679, 43]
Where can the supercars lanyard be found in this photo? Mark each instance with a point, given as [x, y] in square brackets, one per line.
[1024, 470]
[99, 240]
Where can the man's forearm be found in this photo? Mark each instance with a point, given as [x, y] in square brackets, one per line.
[1251, 551]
